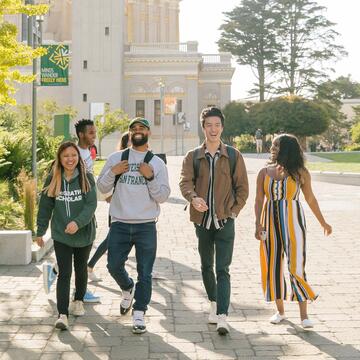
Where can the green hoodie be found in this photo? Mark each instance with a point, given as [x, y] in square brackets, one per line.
[70, 205]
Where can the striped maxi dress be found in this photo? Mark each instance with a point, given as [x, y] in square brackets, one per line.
[284, 221]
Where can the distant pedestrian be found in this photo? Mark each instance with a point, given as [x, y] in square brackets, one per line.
[68, 199]
[214, 181]
[259, 141]
[280, 224]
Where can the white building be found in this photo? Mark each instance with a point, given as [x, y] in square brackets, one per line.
[121, 50]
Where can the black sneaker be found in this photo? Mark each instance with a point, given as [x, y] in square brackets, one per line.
[139, 326]
[127, 300]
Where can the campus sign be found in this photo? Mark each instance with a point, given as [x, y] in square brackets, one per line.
[55, 66]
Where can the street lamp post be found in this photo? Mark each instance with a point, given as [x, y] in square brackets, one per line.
[34, 39]
[162, 94]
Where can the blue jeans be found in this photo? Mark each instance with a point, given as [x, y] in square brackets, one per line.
[121, 238]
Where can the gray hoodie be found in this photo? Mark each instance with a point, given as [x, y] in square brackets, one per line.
[135, 199]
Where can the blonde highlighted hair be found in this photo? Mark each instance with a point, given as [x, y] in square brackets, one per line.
[54, 188]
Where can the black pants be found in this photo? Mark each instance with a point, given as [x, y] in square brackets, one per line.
[100, 251]
[218, 244]
[64, 255]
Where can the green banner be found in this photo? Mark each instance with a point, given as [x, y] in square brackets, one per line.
[55, 66]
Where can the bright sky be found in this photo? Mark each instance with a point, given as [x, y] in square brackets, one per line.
[200, 20]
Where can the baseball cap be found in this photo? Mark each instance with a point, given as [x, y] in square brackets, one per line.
[139, 120]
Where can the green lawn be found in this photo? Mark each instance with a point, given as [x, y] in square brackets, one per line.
[334, 166]
[344, 157]
[343, 162]
[99, 164]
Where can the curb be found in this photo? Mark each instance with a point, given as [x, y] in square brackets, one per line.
[342, 178]
[37, 253]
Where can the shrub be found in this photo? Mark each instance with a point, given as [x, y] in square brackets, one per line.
[353, 147]
[16, 148]
[26, 191]
[355, 133]
[11, 211]
[245, 143]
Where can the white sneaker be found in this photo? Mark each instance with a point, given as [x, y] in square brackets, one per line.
[139, 326]
[62, 322]
[307, 323]
[127, 300]
[77, 308]
[277, 318]
[213, 318]
[92, 277]
[222, 326]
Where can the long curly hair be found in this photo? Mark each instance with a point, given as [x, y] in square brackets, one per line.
[54, 188]
[290, 155]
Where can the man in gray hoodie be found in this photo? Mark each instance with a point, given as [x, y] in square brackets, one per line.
[141, 184]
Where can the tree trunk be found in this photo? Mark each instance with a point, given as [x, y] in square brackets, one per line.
[261, 72]
[100, 140]
[303, 143]
[293, 51]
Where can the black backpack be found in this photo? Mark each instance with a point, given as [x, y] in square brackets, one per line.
[232, 162]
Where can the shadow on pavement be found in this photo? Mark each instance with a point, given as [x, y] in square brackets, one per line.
[30, 270]
[325, 345]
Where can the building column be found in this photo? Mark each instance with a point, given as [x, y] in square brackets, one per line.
[225, 93]
[192, 107]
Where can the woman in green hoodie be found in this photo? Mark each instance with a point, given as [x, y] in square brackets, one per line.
[69, 201]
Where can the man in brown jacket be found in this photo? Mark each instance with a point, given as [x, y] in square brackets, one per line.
[214, 181]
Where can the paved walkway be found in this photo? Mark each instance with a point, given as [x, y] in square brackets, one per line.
[177, 326]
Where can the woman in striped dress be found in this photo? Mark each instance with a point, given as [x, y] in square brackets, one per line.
[280, 224]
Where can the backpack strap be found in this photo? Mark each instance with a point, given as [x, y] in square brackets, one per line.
[232, 158]
[149, 155]
[124, 156]
[232, 162]
[196, 163]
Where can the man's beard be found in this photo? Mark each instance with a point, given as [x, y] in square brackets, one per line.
[139, 141]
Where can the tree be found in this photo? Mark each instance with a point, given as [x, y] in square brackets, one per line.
[236, 121]
[12, 52]
[331, 93]
[308, 41]
[15, 127]
[336, 90]
[355, 133]
[249, 33]
[291, 114]
[110, 122]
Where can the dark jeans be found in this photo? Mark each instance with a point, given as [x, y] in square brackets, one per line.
[100, 251]
[122, 237]
[64, 255]
[218, 243]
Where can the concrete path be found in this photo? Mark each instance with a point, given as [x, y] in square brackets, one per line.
[177, 318]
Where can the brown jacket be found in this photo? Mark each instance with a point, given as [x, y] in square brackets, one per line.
[227, 202]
